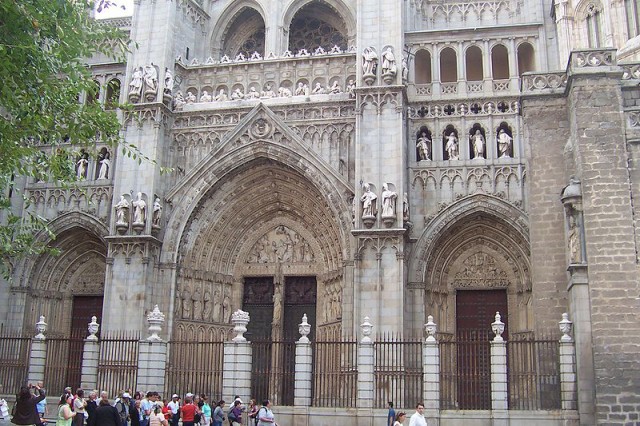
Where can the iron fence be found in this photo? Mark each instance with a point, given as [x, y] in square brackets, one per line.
[118, 362]
[273, 371]
[63, 365]
[335, 374]
[533, 373]
[195, 367]
[14, 362]
[397, 372]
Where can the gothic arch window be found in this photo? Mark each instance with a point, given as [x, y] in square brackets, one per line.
[473, 62]
[93, 93]
[632, 9]
[448, 65]
[423, 67]
[526, 58]
[590, 17]
[113, 94]
[245, 34]
[317, 25]
[500, 62]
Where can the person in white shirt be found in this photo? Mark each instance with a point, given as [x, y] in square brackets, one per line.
[174, 406]
[417, 419]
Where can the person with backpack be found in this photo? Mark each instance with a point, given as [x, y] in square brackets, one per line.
[218, 414]
[265, 415]
[235, 414]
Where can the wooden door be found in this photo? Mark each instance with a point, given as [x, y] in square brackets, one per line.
[475, 311]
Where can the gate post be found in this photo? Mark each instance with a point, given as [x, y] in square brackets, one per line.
[568, 384]
[236, 374]
[38, 354]
[90, 357]
[499, 385]
[302, 390]
[431, 374]
[365, 367]
[152, 356]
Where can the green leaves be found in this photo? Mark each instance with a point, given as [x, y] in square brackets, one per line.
[43, 49]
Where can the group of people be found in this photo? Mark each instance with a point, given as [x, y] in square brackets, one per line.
[74, 409]
[397, 419]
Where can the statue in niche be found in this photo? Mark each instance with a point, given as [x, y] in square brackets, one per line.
[318, 90]
[150, 82]
[122, 211]
[168, 82]
[222, 96]
[335, 89]
[191, 98]
[388, 202]
[478, 144]
[351, 87]
[186, 303]
[82, 165]
[237, 94]
[253, 94]
[157, 212]
[226, 309]
[177, 308]
[389, 62]
[575, 244]
[424, 147]
[206, 97]
[268, 92]
[105, 165]
[208, 308]
[302, 89]
[284, 92]
[178, 101]
[135, 86]
[197, 304]
[277, 303]
[369, 61]
[405, 70]
[369, 203]
[217, 305]
[505, 143]
[452, 147]
[405, 208]
[139, 210]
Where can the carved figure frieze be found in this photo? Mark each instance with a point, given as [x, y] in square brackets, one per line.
[332, 301]
[281, 245]
[480, 270]
[202, 300]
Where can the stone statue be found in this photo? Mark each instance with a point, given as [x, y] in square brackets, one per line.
[335, 88]
[405, 69]
[197, 305]
[575, 246]
[226, 308]
[388, 202]
[405, 208]
[351, 87]
[424, 147]
[135, 86]
[478, 144]
[208, 308]
[139, 210]
[284, 92]
[205, 97]
[300, 89]
[157, 212]
[389, 62]
[237, 94]
[268, 92]
[253, 94]
[369, 61]
[217, 305]
[186, 303]
[82, 165]
[150, 82]
[222, 96]
[369, 203]
[505, 143]
[452, 147]
[178, 101]
[318, 90]
[122, 211]
[168, 82]
[105, 165]
[191, 98]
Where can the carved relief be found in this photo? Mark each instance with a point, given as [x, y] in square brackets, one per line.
[202, 297]
[332, 301]
[281, 245]
[480, 271]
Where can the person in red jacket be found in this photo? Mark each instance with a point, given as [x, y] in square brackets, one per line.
[188, 412]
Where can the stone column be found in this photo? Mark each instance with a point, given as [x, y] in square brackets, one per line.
[236, 375]
[431, 374]
[499, 386]
[152, 356]
[304, 364]
[365, 368]
[568, 383]
[90, 357]
[38, 354]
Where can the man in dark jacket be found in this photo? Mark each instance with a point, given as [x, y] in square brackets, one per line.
[92, 406]
[26, 412]
[107, 415]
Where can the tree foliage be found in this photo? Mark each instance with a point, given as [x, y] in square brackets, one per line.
[44, 46]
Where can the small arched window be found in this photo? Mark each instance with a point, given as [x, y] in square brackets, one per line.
[448, 65]
[423, 67]
[500, 62]
[473, 62]
[113, 94]
[594, 25]
[526, 58]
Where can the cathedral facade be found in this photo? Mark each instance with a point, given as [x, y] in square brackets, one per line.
[346, 159]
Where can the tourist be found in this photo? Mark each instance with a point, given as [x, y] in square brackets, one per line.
[218, 414]
[91, 407]
[188, 412]
[123, 406]
[79, 405]
[135, 414]
[174, 406]
[205, 410]
[25, 410]
[265, 415]
[235, 414]
[391, 414]
[417, 419]
[106, 414]
[65, 415]
[253, 412]
[156, 418]
[400, 419]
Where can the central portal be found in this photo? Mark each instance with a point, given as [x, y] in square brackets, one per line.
[273, 334]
